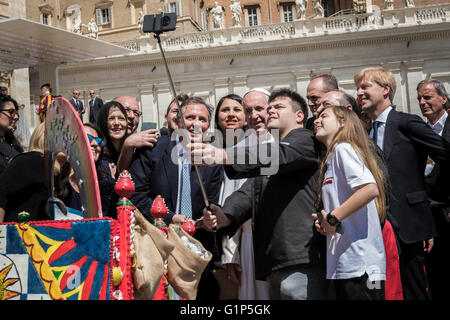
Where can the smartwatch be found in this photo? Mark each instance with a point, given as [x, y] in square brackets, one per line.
[334, 222]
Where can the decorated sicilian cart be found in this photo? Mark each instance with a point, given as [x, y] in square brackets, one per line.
[81, 255]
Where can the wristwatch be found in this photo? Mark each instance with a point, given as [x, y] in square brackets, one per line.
[334, 222]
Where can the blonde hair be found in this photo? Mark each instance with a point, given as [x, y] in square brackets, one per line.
[37, 142]
[353, 132]
[381, 76]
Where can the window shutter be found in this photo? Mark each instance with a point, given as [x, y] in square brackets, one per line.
[98, 15]
[178, 8]
[109, 15]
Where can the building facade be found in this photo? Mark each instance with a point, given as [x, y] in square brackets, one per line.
[224, 46]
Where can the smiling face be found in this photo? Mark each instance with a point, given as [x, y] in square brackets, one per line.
[282, 116]
[327, 125]
[196, 119]
[117, 124]
[131, 106]
[372, 96]
[255, 105]
[231, 115]
[95, 147]
[430, 102]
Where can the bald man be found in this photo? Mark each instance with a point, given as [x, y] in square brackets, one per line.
[135, 140]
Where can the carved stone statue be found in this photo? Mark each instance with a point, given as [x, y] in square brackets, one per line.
[140, 22]
[389, 4]
[92, 29]
[301, 6]
[217, 14]
[318, 9]
[74, 19]
[410, 3]
[236, 12]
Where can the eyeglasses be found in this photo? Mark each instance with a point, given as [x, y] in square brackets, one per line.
[11, 112]
[135, 112]
[99, 140]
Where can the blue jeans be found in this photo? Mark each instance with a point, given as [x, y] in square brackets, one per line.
[299, 282]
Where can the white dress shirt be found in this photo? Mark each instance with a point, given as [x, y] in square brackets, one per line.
[438, 127]
[382, 118]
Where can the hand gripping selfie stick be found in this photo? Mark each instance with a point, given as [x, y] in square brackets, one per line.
[158, 24]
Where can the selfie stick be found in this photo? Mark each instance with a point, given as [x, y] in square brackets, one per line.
[180, 116]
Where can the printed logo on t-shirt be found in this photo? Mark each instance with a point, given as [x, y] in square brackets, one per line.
[328, 180]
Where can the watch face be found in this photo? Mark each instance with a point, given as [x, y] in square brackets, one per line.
[332, 220]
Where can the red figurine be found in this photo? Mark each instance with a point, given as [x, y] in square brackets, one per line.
[124, 186]
[188, 226]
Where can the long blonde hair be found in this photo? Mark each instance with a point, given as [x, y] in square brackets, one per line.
[353, 132]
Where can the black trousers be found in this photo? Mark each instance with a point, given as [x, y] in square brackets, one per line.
[360, 288]
[437, 262]
[412, 271]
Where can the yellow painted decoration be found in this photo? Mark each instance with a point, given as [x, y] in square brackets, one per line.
[40, 258]
[117, 276]
[5, 283]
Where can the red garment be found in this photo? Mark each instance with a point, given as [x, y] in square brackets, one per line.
[161, 292]
[393, 284]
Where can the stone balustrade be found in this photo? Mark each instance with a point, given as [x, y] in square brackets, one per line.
[310, 27]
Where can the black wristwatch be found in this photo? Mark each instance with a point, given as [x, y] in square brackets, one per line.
[334, 222]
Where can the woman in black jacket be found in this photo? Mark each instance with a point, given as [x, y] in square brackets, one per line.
[9, 145]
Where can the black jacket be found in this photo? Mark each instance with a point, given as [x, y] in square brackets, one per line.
[438, 181]
[94, 108]
[283, 229]
[408, 141]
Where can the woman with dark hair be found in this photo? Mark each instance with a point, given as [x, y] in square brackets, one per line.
[230, 115]
[105, 180]
[9, 145]
[23, 184]
[112, 121]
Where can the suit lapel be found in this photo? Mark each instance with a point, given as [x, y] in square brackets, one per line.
[390, 132]
[446, 130]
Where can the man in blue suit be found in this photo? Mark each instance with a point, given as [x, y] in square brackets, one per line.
[160, 171]
[406, 141]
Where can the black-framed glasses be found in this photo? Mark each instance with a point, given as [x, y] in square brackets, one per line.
[137, 113]
[99, 140]
[11, 112]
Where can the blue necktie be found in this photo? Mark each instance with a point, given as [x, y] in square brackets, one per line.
[375, 131]
[186, 205]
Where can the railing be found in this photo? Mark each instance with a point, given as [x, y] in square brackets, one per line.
[381, 19]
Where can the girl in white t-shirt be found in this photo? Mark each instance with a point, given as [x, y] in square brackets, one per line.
[352, 197]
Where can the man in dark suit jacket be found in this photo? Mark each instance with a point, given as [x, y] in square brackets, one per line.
[406, 141]
[433, 101]
[94, 106]
[287, 249]
[77, 104]
[157, 171]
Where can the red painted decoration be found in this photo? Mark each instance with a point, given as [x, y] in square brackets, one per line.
[188, 226]
[124, 186]
[159, 209]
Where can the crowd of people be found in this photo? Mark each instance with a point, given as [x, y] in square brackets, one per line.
[324, 197]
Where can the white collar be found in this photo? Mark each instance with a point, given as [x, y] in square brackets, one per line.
[439, 125]
[383, 116]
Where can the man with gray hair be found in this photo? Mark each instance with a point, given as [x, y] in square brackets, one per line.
[317, 87]
[433, 102]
